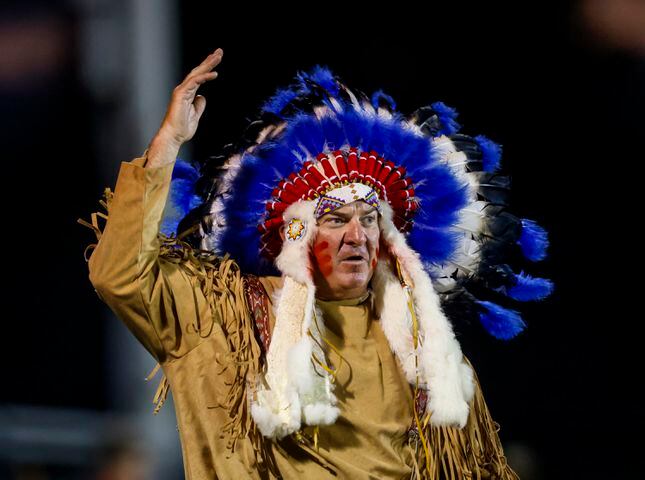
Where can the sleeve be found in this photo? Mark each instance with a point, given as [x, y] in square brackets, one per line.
[161, 303]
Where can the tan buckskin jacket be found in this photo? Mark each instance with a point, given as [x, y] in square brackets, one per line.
[193, 312]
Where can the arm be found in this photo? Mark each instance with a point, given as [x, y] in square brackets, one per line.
[159, 301]
[155, 298]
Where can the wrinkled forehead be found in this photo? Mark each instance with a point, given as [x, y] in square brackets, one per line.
[340, 198]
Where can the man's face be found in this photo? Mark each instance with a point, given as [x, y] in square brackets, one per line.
[345, 251]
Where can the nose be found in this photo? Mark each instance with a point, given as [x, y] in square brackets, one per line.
[355, 233]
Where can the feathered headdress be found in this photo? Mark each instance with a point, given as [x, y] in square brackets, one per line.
[443, 204]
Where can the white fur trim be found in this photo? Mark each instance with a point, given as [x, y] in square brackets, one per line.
[276, 409]
[320, 414]
[442, 368]
[298, 388]
[390, 302]
[271, 416]
[294, 256]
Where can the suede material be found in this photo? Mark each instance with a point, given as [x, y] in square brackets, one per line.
[162, 305]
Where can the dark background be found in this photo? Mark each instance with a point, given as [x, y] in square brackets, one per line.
[564, 97]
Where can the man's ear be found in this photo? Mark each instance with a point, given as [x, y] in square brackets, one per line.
[281, 230]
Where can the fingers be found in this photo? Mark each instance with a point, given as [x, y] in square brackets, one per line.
[194, 83]
[199, 79]
[200, 105]
[209, 63]
[190, 86]
[187, 89]
[201, 73]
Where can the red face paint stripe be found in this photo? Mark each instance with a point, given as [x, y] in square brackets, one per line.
[321, 246]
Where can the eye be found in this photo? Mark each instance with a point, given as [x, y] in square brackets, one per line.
[369, 220]
[336, 220]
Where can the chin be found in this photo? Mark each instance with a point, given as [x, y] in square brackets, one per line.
[353, 280]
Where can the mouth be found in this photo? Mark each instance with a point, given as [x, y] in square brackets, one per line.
[354, 259]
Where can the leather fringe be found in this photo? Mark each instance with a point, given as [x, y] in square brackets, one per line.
[94, 226]
[474, 452]
[222, 284]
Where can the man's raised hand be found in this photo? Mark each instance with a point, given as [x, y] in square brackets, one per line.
[183, 113]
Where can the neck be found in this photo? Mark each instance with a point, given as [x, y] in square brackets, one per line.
[342, 295]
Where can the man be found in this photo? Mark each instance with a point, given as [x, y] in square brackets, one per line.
[342, 363]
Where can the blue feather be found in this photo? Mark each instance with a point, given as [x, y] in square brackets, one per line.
[380, 94]
[278, 101]
[333, 132]
[284, 96]
[500, 322]
[434, 245]
[241, 238]
[305, 132]
[321, 75]
[533, 240]
[491, 153]
[181, 196]
[530, 288]
[448, 118]
[185, 170]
